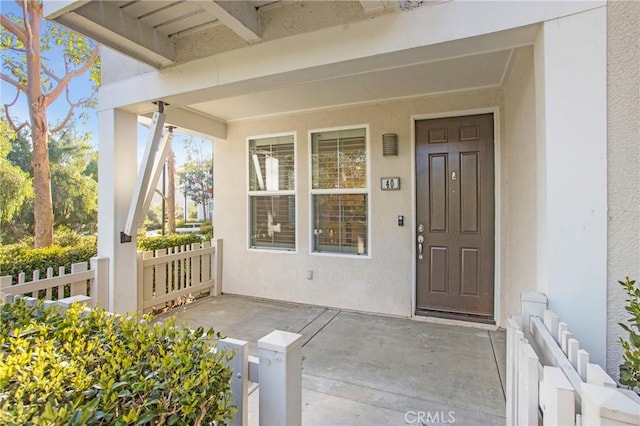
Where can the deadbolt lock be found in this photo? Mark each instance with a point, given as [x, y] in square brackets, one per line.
[453, 176]
[421, 228]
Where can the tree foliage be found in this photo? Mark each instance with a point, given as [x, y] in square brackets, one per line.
[15, 184]
[630, 368]
[74, 184]
[74, 188]
[196, 176]
[27, 42]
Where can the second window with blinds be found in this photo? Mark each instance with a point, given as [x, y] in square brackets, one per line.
[340, 191]
[272, 199]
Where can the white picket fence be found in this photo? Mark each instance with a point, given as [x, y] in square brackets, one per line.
[550, 380]
[277, 370]
[163, 276]
[168, 274]
[81, 280]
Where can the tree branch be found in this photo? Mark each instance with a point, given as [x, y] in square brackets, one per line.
[27, 27]
[72, 107]
[13, 28]
[15, 49]
[49, 73]
[67, 78]
[19, 86]
[8, 114]
[164, 197]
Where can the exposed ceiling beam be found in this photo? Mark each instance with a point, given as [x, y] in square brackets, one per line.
[136, 34]
[191, 122]
[372, 5]
[240, 16]
[54, 9]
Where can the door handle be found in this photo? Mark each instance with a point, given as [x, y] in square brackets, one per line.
[420, 241]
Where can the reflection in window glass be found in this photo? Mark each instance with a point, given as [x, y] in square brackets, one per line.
[340, 191]
[272, 204]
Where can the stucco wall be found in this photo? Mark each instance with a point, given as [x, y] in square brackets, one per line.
[519, 183]
[623, 159]
[382, 283]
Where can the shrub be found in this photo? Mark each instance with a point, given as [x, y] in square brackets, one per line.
[66, 237]
[166, 241]
[18, 258]
[206, 229]
[94, 368]
[630, 368]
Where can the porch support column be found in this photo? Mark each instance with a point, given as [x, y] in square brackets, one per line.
[571, 109]
[117, 172]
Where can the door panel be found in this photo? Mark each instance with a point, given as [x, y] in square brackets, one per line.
[439, 270]
[455, 205]
[439, 193]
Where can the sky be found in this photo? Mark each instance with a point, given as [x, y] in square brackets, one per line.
[79, 87]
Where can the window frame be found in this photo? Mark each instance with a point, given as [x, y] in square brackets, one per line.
[250, 193]
[342, 191]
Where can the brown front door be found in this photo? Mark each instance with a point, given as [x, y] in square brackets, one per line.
[455, 216]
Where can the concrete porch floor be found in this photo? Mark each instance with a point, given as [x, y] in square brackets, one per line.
[368, 369]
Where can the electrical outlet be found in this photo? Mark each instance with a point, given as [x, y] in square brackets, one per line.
[309, 274]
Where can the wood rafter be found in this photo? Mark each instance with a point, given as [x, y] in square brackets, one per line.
[240, 16]
[130, 30]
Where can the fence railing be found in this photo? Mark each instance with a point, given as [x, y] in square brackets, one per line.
[81, 280]
[277, 370]
[550, 380]
[168, 274]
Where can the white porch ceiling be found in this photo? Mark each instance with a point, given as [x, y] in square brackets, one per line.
[488, 69]
[291, 69]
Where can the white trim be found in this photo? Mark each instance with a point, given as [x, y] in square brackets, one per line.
[367, 192]
[249, 193]
[365, 103]
[497, 289]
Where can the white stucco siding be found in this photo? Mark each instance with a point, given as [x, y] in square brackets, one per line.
[381, 283]
[519, 211]
[572, 161]
[623, 155]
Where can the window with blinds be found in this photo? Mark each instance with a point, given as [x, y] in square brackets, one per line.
[339, 191]
[272, 201]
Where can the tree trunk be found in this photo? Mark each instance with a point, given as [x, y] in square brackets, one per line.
[43, 206]
[171, 190]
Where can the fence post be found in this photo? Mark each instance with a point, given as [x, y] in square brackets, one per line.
[514, 335]
[533, 304]
[559, 405]
[597, 376]
[527, 385]
[240, 377]
[607, 406]
[78, 287]
[100, 285]
[280, 400]
[140, 280]
[216, 268]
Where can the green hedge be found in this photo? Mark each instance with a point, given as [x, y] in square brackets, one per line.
[16, 258]
[166, 241]
[98, 369]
